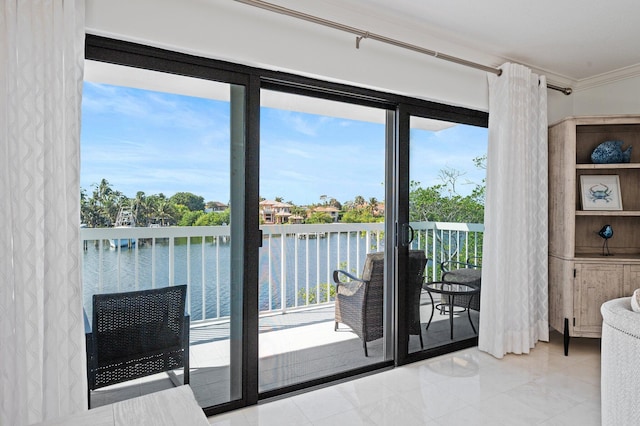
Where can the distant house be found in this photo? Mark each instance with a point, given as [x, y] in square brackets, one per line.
[215, 206]
[274, 212]
[296, 219]
[330, 210]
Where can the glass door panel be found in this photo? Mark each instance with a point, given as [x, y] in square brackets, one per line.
[445, 214]
[322, 209]
[160, 156]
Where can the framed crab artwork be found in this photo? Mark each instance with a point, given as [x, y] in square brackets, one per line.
[600, 192]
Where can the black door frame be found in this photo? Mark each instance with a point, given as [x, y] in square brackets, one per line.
[402, 186]
[399, 108]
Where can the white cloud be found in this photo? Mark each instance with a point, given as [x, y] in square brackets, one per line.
[307, 124]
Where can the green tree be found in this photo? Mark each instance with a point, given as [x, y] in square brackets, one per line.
[359, 216]
[429, 204]
[213, 219]
[441, 203]
[139, 208]
[102, 208]
[298, 211]
[479, 191]
[319, 217]
[179, 211]
[312, 299]
[163, 210]
[193, 202]
[449, 177]
[373, 204]
[190, 218]
[89, 211]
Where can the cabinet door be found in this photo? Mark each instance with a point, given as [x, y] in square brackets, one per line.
[594, 285]
[631, 280]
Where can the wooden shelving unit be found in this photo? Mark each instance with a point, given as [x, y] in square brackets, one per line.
[581, 278]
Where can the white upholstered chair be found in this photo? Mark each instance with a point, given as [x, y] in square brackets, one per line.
[620, 363]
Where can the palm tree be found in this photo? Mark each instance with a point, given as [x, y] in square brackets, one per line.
[373, 204]
[139, 207]
[102, 190]
[104, 200]
[90, 213]
[164, 210]
[117, 201]
[108, 201]
[84, 207]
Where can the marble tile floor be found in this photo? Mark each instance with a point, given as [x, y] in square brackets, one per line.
[467, 387]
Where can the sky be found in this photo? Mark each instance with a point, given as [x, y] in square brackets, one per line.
[141, 140]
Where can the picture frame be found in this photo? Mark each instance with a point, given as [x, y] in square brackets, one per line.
[600, 192]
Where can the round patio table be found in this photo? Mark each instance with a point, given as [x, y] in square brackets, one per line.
[450, 289]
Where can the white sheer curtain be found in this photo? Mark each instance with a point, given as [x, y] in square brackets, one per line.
[514, 314]
[42, 367]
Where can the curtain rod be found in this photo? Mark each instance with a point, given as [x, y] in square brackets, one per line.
[360, 34]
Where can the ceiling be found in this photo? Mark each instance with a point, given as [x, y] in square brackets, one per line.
[572, 39]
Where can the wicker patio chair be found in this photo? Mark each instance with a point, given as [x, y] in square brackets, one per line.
[136, 334]
[469, 273]
[415, 280]
[359, 302]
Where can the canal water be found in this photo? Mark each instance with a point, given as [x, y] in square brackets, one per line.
[307, 263]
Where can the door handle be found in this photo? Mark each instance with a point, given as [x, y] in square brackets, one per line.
[407, 234]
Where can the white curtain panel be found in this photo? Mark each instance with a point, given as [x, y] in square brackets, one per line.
[42, 355]
[514, 314]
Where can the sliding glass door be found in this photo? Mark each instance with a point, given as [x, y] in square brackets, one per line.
[322, 284]
[441, 212]
[163, 205]
[309, 220]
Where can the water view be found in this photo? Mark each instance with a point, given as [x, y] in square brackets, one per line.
[204, 264]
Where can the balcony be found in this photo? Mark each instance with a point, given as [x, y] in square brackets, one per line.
[295, 267]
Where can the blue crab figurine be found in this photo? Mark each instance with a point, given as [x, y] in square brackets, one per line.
[611, 152]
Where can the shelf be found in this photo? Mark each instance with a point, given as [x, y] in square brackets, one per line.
[614, 166]
[614, 258]
[621, 213]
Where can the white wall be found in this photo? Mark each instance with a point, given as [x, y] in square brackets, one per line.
[228, 30]
[559, 106]
[619, 97]
[592, 97]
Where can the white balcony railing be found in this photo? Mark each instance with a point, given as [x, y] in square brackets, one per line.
[296, 261]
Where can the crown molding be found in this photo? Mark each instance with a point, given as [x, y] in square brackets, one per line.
[621, 74]
[626, 73]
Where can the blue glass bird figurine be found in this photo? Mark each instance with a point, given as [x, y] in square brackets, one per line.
[606, 232]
